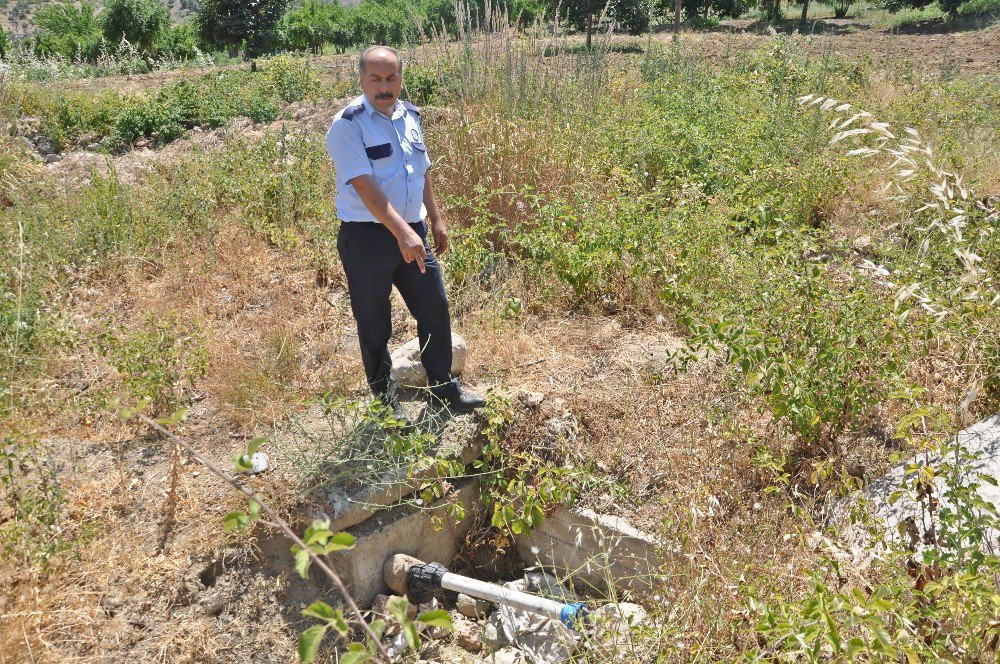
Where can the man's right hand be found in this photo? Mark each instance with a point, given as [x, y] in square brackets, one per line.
[412, 248]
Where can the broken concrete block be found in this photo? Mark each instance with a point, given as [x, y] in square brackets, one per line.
[429, 534]
[603, 552]
[348, 464]
[407, 369]
[905, 520]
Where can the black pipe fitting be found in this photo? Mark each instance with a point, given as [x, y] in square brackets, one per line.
[423, 582]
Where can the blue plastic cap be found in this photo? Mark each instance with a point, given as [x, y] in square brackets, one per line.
[571, 613]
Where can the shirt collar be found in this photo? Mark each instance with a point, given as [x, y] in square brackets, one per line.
[397, 112]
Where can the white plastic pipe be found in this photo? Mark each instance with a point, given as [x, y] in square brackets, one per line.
[507, 596]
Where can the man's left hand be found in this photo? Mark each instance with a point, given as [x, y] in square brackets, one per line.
[440, 233]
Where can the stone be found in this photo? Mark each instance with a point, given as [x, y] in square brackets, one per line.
[26, 142]
[494, 637]
[472, 607]
[407, 369]
[212, 603]
[613, 623]
[595, 550]
[52, 159]
[142, 143]
[532, 399]
[863, 243]
[94, 147]
[44, 146]
[467, 634]
[904, 518]
[259, 462]
[349, 495]
[506, 656]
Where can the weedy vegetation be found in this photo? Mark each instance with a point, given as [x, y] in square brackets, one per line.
[821, 255]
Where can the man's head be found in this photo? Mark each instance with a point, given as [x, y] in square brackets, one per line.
[381, 70]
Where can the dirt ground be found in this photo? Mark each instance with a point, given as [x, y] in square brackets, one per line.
[973, 51]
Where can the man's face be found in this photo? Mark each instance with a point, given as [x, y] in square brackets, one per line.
[382, 83]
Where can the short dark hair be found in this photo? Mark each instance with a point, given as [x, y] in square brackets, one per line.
[367, 51]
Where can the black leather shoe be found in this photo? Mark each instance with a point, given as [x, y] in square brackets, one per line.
[399, 414]
[459, 400]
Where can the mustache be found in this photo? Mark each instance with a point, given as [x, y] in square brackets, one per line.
[387, 95]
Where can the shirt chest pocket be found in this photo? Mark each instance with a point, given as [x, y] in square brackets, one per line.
[384, 159]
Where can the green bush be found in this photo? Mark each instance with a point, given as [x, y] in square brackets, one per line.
[68, 30]
[157, 363]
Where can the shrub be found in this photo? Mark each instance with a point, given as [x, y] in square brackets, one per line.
[158, 362]
[68, 30]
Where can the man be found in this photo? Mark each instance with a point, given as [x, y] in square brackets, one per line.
[385, 202]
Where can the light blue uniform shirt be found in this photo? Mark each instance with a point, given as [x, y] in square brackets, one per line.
[363, 141]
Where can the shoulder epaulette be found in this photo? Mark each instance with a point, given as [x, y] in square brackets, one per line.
[351, 111]
[410, 107]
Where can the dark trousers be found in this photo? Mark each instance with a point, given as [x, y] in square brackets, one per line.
[373, 263]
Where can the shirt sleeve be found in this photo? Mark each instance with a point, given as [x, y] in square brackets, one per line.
[347, 149]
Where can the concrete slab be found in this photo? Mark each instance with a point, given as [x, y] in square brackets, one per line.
[429, 534]
[585, 548]
[906, 522]
[353, 469]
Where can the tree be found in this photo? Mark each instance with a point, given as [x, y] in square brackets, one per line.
[386, 22]
[68, 30]
[4, 43]
[312, 26]
[141, 22]
[180, 41]
[230, 24]
[631, 16]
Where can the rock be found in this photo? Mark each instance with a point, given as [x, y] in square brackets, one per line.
[212, 603]
[532, 399]
[583, 546]
[613, 623]
[467, 634]
[545, 584]
[564, 427]
[904, 519]
[44, 146]
[863, 243]
[406, 366]
[258, 463]
[472, 607]
[52, 159]
[494, 638]
[507, 656]
[26, 142]
[94, 147]
[142, 143]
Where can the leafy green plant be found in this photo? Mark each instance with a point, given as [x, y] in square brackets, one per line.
[157, 363]
[926, 597]
[519, 486]
[33, 501]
